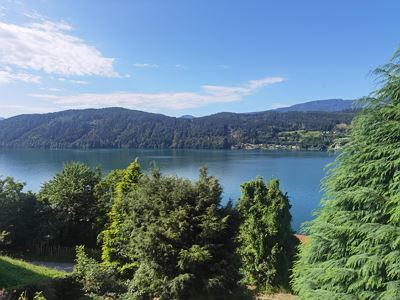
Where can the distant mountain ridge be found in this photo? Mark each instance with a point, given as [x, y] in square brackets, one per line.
[124, 128]
[329, 105]
[1, 118]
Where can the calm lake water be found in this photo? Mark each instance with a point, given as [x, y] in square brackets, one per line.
[300, 173]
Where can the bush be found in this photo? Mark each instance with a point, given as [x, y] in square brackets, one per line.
[96, 278]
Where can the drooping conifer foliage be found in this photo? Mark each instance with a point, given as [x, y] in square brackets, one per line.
[354, 250]
[266, 238]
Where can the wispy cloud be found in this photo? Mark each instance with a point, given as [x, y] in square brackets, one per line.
[11, 110]
[52, 89]
[279, 105]
[83, 82]
[49, 47]
[155, 101]
[9, 77]
[181, 66]
[145, 65]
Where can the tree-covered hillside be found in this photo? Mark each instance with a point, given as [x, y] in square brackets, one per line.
[320, 105]
[123, 128]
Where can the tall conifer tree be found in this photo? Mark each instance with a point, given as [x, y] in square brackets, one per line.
[266, 240]
[115, 248]
[354, 247]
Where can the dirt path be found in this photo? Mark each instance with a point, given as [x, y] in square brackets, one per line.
[66, 267]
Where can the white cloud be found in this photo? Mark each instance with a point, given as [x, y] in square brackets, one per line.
[79, 82]
[52, 89]
[62, 79]
[254, 84]
[181, 66]
[145, 65]
[156, 101]
[47, 46]
[279, 105]
[12, 110]
[6, 76]
[241, 91]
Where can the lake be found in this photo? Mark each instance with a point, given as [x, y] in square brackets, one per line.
[300, 173]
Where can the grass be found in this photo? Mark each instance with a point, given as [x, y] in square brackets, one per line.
[15, 273]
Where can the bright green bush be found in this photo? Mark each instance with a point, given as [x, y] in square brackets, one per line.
[116, 250]
[96, 278]
[354, 247]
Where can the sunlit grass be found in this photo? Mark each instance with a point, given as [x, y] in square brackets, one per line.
[15, 273]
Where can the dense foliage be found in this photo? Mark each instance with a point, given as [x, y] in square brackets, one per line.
[354, 249]
[183, 239]
[17, 214]
[267, 243]
[167, 237]
[116, 250]
[117, 128]
[73, 207]
[161, 236]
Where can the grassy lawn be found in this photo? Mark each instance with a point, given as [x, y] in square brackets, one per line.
[15, 273]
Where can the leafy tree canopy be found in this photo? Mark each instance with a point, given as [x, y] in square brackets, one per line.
[73, 204]
[17, 213]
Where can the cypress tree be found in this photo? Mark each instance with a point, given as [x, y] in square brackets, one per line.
[354, 247]
[265, 236]
[115, 248]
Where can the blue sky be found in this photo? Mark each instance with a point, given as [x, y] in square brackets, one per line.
[189, 57]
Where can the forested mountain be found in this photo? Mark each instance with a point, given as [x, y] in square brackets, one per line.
[123, 128]
[190, 117]
[1, 118]
[320, 105]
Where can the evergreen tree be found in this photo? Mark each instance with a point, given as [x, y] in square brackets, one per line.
[183, 238]
[115, 248]
[354, 247]
[265, 236]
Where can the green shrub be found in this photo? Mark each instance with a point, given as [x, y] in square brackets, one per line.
[96, 278]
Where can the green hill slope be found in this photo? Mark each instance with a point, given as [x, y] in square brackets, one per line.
[123, 128]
